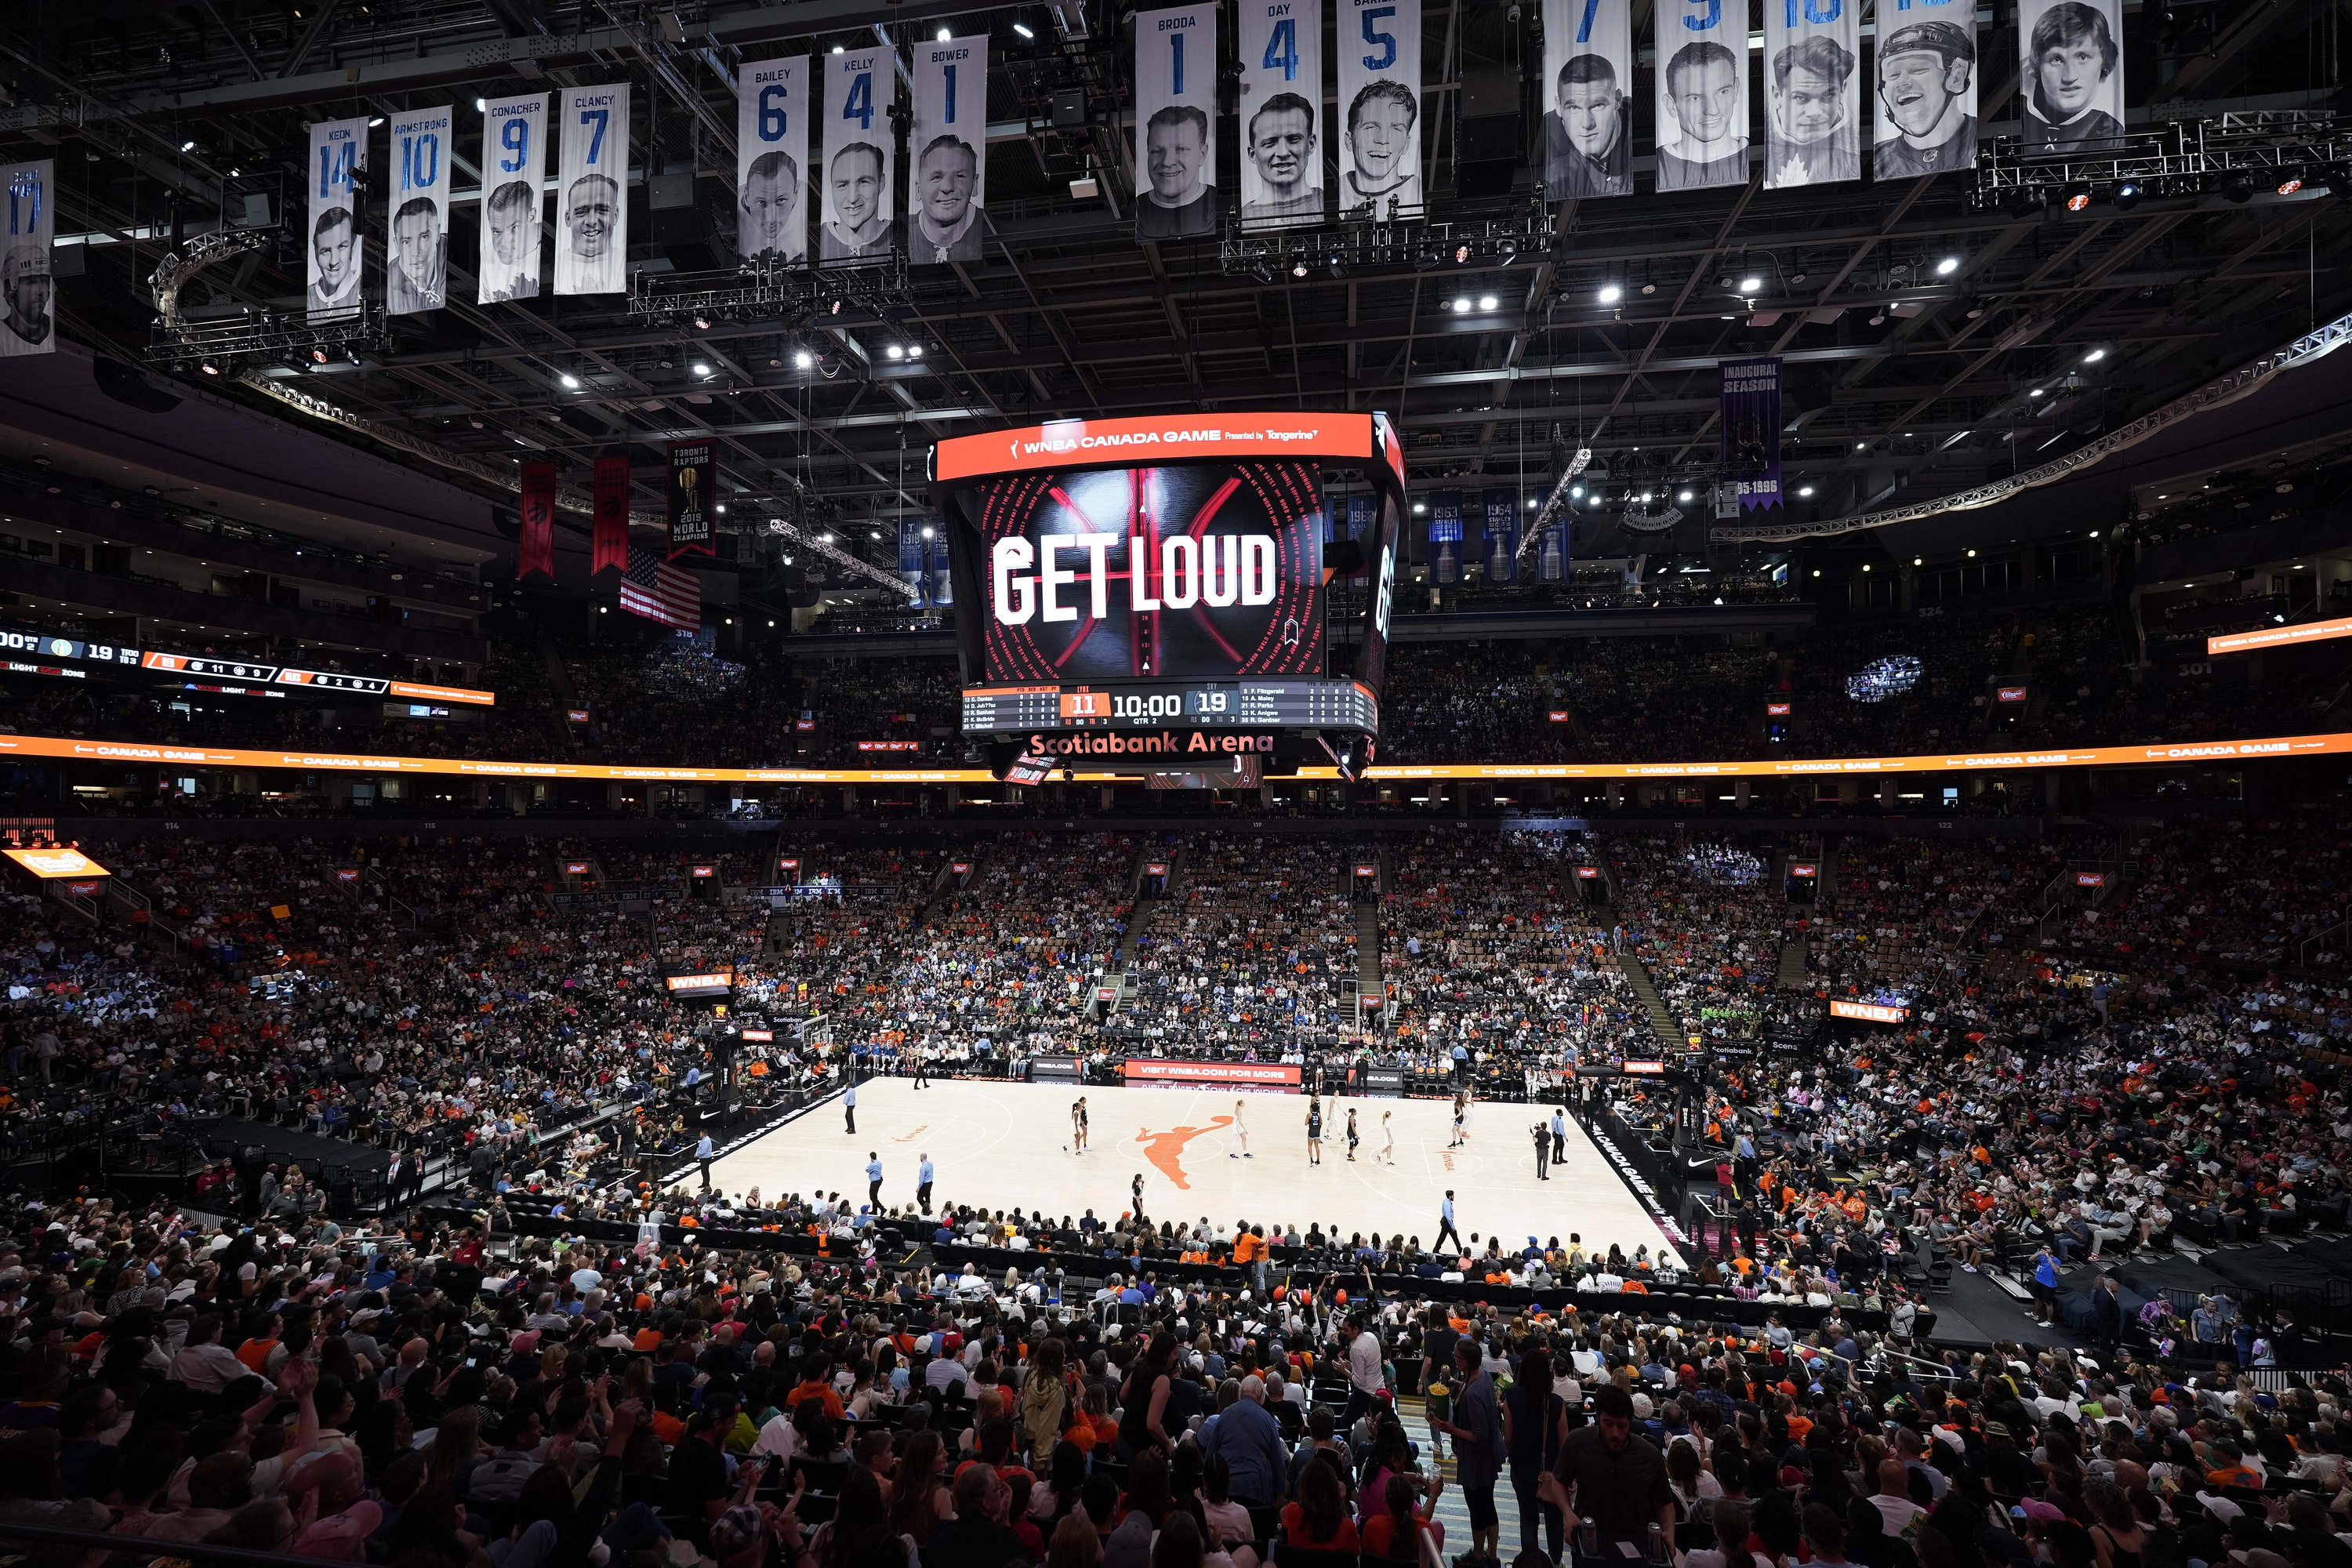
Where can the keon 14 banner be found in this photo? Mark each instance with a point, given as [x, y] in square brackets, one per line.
[514, 163]
[772, 122]
[592, 227]
[949, 157]
[416, 267]
[1379, 107]
[859, 85]
[1176, 123]
[1283, 136]
[30, 325]
[1588, 109]
[1702, 47]
[338, 243]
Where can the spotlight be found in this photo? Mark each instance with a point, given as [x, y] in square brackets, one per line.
[189, 145]
[2339, 183]
[2289, 185]
[1487, 302]
[318, 356]
[1506, 248]
[1335, 264]
[1461, 254]
[352, 355]
[2239, 188]
[2078, 197]
[1750, 285]
[209, 368]
[1611, 293]
[1945, 267]
[1649, 288]
[1262, 271]
[1299, 267]
[2127, 195]
[895, 352]
[805, 359]
[1023, 28]
[701, 322]
[1429, 257]
[1684, 496]
[570, 382]
[913, 351]
[701, 368]
[2095, 356]
[945, 33]
[1805, 492]
[1462, 304]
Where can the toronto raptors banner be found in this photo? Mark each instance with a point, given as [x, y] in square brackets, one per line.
[1176, 123]
[1748, 414]
[592, 215]
[772, 122]
[1702, 49]
[1445, 538]
[948, 158]
[1380, 130]
[859, 86]
[1813, 92]
[514, 163]
[30, 325]
[535, 550]
[338, 249]
[1502, 536]
[690, 485]
[1588, 84]
[612, 535]
[1283, 130]
[416, 263]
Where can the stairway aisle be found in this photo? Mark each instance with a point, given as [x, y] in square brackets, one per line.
[1663, 1022]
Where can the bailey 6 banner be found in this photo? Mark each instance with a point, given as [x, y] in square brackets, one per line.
[1380, 107]
[1813, 92]
[1176, 123]
[948, 158]
[592, 230]
[1283, 136]
[1587, 82]
[1926, 86]
[611, 540]
[514, 164]
[1702, 48]
[858, 205]
[1502, 537]
[30, 325]
[416, 265]
[535, 549]
[1748, 414]
[772, 124]
[691, 483]
[338, 249]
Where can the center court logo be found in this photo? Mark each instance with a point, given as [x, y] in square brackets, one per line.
[1165, 1149]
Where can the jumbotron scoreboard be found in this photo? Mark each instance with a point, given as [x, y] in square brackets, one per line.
[1154, 592]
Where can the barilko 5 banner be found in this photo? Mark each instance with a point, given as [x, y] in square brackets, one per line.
[948, 159]
[1380, 103]
[416, 263]
[1502, 537]
[1176, 123]
[1281, 109]
[691, 482]
[514, 163]
[2071, 66]
[1587, 77]
[859, 86]
[1813, 92]
[30, 323]
[1748, 414]
[1702, 48]
[337, 246]
[771, 124]
[592, 233]
[1927, 119]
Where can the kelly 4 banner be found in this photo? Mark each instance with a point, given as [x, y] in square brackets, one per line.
[858, 203]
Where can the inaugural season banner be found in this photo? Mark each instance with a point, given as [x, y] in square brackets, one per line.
[1283, 135]
[30, 325]
[1502, 536]
[338, 251]
[1813, 92]
[1748, 414]
[772, 126]
[1445, 538]
[1702, 47]
[1587, 82]
[2071, 68]
[592, 230]
[1926, 86]
[535, 549]
[949, 157]
[858, 203]
[1176, 123]
[1380, 108]
[514, 164]
[416, 270]
[691, 477]
[611, 540]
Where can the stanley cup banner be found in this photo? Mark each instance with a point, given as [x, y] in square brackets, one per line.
[1445, 538]
[1502, 537]
[1283, 136]
[942, 593]
[1925, 64]
[692, 478]
[514, 163]
[611, 540]
[771, 127]
[1176, 123]
[2072, 72]
[948, 158]
[1551, 555]
[592, 191]
[913, 558]
[1813, 92]
[1748, 414]
[338, 248]
[1702, 48]
[1362, 507]
[859, 204]
[1588, 104]
[1380, 131]
[30, 325]
[416, 263]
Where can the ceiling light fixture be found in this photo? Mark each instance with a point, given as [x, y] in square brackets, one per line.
[1023, 28]
[1945, 267]
[805, 359]
[1487, 302]
[1750, 285]
[1611, 293]
[570, 382]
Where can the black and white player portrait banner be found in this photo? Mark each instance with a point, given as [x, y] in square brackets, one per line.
[1926, 86]
[1702, 47]
[1588, 109]
[337, 246]
[1176, 123]
[1813, 92]
[416, 260]
[771, 127]
[2072, 72]
[592, 189]
[859, 86]
[1380, 107]
[1283, 139]
[948, 160]
[514, 163]
[29, 306]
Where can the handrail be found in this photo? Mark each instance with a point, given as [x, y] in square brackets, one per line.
[114, 1543]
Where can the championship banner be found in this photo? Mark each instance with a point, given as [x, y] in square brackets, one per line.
[913, 557]
[535, 550]
[338, 249]
[1552, 561]
[1363, 508]
[1813, 92]
[1445, 538]
[1502, 536]
[1587, 77]
[416, 265]
[514, 164]
[1926, 120]
[611, 540]
[692, 470]
[948, 158]
[1176, 123]
[1281, 106]
[1748, 414]
[31, 321]
[771, 125]
[943, 591]
[591, 236]
[2070, 66]
[858, 203]
[1702, 48]
[1380, 102]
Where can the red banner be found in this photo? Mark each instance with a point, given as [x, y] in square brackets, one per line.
[1156, 1072]
[611, 538]
[536, 550]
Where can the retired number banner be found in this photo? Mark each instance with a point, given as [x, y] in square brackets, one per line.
[1702, 47]
[1813, 92]
[1380, 108]
[338, 248]
[859, 85]
[592, 231]
[417, 264]
[771, 124]
[949, 157]
[1176, 123]
[30, 325]
[1283, 135]
[514, 163]
[1588, 81]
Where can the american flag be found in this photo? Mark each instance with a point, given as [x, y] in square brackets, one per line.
[658, 591]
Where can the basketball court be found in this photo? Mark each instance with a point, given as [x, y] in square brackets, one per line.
[999, 1145]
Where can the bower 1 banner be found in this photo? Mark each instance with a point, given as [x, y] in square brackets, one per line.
[1176, 123]
[416, 267]
[1702, 49]
[772, 126]
[1380, 108]
[1813, 92]
[859, 204]
[1927, 84]
[514, 164]
[2071, 67]
[949, 157]
[337, 243]
[692, 473]
[30, 325]
[1748, 413]
[1502, 537]
[1588, 83]
[591, 226]
[1283, 135]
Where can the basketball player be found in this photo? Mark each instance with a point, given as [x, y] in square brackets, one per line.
[1136, 1188]
[1461, 1118]
[1314, 1130]
[1240, 1132]
[1352, 1139]
[1388, 1139]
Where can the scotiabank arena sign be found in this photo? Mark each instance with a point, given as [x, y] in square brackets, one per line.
[1140, 1070]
